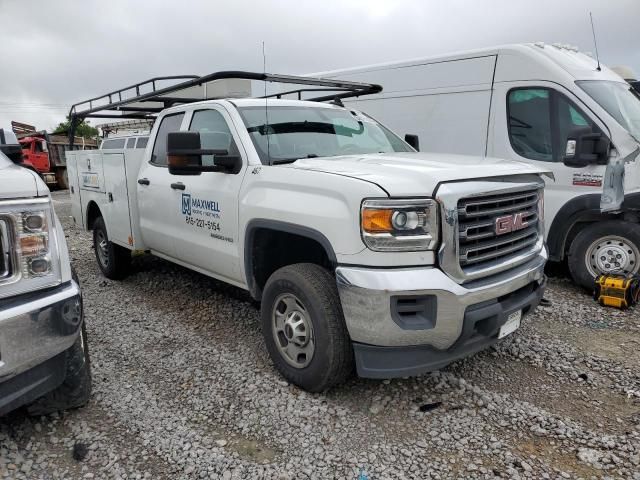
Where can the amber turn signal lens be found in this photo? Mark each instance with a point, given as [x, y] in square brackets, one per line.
[33, 245]
[376, 221]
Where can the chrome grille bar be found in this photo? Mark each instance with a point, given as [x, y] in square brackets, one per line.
[478, 217]
[5, 251]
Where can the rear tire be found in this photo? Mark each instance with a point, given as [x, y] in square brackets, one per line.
[304, 329]
[114, 261]
[612, 246]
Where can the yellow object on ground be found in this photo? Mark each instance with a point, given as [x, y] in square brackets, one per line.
[617, 291]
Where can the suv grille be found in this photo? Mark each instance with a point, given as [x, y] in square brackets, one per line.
[492, 227]
[5, 251]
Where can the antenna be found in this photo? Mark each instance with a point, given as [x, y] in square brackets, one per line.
[595, 43]
[266, 102]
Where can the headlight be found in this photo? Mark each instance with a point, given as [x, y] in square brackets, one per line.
[29, 257]
[399, 225]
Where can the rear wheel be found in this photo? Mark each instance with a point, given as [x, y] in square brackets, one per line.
[113, 260]
[611, 247]
[303, 327]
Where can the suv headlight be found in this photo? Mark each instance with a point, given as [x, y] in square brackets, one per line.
[29, 258]
[399, 225]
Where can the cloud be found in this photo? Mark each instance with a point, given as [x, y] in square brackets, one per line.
[57, 53]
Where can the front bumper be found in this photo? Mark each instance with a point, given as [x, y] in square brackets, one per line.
[35, 331]
[408, 321]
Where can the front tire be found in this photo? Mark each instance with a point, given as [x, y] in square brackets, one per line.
[75, 390]
[611, 247]
[303, 327]
[114, 261]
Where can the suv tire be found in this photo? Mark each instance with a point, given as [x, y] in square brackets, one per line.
[302, 314]
[584, 261]
[114, 261]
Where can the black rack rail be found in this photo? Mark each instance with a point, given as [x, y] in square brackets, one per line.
[122, 100]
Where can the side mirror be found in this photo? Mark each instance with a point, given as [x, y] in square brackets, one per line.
[584, 148]
[185, 156]
[10, 147]
[413, 140]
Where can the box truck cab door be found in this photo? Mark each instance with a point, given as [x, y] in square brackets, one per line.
[208, 207]
[158, 202]
[531, 123]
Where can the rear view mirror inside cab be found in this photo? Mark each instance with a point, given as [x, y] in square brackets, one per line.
[185, 155]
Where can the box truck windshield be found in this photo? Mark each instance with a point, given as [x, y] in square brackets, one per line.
[619, 100]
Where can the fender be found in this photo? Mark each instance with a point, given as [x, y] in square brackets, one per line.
[585, 208]
[276, 225]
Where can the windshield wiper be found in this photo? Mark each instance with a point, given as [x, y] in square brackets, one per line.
[279, 161]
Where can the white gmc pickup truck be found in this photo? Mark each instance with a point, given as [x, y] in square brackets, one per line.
[44, 361]
[360, 249]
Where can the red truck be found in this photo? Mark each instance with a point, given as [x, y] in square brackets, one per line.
[44, 153]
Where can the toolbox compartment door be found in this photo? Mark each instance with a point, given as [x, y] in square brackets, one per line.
[115, 207]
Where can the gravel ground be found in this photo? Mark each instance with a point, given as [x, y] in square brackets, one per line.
[183, 388]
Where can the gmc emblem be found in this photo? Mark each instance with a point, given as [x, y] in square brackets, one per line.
[510, 223]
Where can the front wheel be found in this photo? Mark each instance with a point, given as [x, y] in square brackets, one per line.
[303, 327]
[75, 390]
[611, 247]
[113, 260]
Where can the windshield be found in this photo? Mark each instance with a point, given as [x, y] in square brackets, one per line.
[620, 101]
[308, 132]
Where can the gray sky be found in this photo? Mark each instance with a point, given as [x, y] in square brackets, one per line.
[57, 52]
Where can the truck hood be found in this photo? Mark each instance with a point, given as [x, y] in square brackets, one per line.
[18, 182]
[419, 174]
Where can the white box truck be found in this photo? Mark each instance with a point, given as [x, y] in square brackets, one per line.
[359, 249]
[546, 105]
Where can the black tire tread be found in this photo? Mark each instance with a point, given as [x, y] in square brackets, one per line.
[75, 390]
[319, 283]
[120, 257]
[586, 236]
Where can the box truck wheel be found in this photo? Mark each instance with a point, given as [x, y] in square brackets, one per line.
[113, 260]
[62, 178]
[303, 327]
[604, 247]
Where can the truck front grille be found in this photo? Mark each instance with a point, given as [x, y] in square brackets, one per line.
[494, 227]
[5, 251]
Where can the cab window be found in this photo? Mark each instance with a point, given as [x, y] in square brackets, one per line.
[214, 133]
[131, 142]
[170, 123]
[540, 120]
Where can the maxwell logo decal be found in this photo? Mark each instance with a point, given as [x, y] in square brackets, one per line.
[186, 204]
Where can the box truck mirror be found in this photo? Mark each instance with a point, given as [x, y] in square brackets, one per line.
[585, 147]
[185, 156]
[413, 140]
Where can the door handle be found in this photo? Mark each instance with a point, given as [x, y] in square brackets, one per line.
[178, 186]
[144, 181]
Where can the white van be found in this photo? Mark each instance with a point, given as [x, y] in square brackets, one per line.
[545, 105]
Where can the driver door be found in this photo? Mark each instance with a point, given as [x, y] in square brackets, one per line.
[532, 121]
